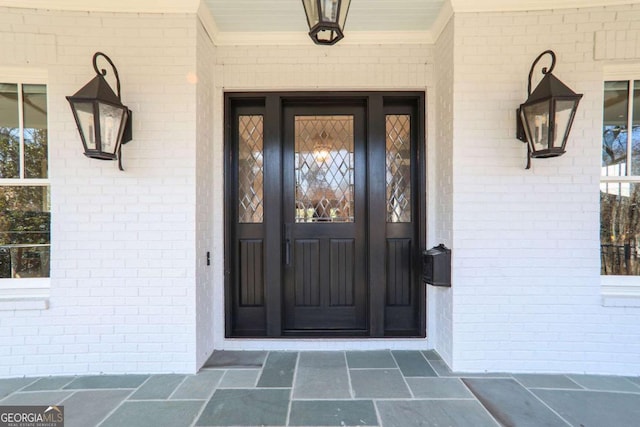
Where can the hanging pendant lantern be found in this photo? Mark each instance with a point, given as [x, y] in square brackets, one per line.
[326, 19]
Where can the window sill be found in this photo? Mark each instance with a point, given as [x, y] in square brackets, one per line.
[24, 294]
[620, 291]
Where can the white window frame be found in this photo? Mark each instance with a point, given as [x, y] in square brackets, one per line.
[25, 293]
[621, 291]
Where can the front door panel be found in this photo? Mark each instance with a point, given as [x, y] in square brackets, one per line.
[324, 188]
[325, 214]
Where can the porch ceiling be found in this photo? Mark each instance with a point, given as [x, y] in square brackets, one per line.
[232, 22]
[288, 15]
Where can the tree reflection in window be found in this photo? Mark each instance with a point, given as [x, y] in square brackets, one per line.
[620, 185]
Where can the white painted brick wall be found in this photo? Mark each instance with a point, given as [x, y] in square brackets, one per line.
[324, 68]
[123, 243]
[206, 175]
[440, 207]
[527, 291]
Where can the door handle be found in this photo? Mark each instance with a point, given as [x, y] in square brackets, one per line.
[287, 244]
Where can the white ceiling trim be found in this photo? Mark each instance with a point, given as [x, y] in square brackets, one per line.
[446, 12]
[524, 5]
[191, 6]
[208, 22]
[130, 6]
[291, 38]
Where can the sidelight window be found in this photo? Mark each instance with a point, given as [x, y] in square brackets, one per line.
[398, 176]
[251, 169]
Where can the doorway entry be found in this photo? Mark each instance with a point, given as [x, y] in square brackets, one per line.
[325, 214]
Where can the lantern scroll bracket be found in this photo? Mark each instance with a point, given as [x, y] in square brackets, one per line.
[544, 69]
[115, 70]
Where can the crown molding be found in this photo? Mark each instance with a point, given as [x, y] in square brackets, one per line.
[130, 6]
[460, 6]
[445, 15]
[209, 23]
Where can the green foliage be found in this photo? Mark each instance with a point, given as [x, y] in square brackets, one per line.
[24, 210]
[9, 153]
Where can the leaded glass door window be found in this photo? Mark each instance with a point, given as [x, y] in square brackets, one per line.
[398, 172]
[250, 168]
[324, 169]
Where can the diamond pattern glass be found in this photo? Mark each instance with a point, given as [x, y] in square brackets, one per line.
[398, 154]
[324, 168]
[250, 169]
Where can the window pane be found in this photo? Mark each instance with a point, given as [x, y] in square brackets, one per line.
[635, 130]
[9, 132]
[614, 133]
[324, 168]
[34, 98]
[24, 231]
[250, 169]
[398, 154]
[620, 228]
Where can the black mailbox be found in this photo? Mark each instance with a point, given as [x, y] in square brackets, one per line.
[436, 266]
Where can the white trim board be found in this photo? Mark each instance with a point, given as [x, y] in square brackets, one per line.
[139, 6]
[524, 5]
[324, 344]
[191, 6]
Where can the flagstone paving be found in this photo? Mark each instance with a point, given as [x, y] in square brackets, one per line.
[352, 388]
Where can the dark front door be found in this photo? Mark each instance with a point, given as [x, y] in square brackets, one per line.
[324, 214]
[324, 192]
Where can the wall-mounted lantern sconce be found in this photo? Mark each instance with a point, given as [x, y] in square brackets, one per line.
[326, 19]
[103, 122]
[545, 119]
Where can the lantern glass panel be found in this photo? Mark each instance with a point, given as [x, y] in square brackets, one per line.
[564, 115]
[84, 113]
[111, 120]
[326, 35]
[344, 8]
[330, 10]
[311, 9]
[537, 125]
